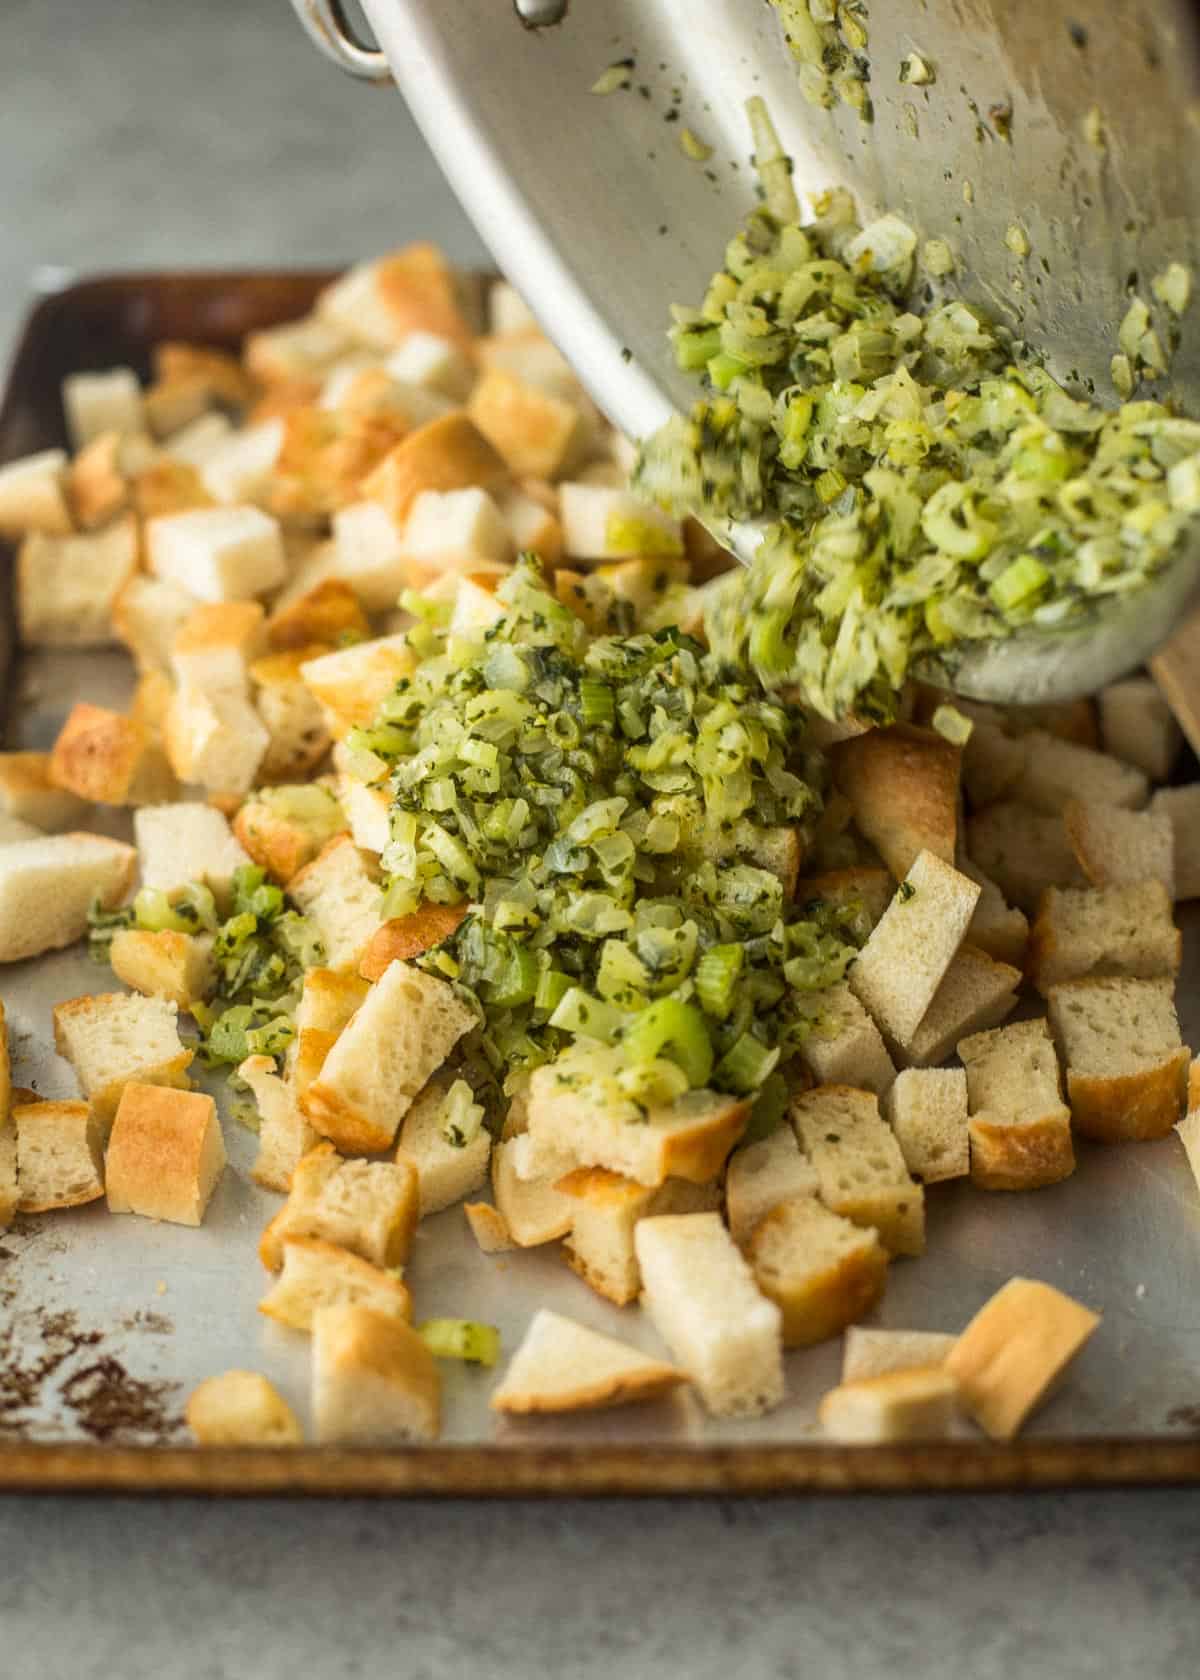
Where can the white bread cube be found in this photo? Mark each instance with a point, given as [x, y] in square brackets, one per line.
[1122, 930]
[534, 1210]
[284, 828]
[284, 1135]
[576, 1122]
[217, 740]
[31, 495]
[902, 784]
[1023, 851]
[927, 1110]
[562, 1366]
[118, 1037]
[369, 554]
[391, 1048]
[296, 350]
[450, 453]
[99, 481]
[702, 1299]
[760, 1176]
[341, 893]
[903, 963]
[165, 1154]
[1020, 1128]
[1127, 1068]
[108, 758]
[446, 1172]
[489, 1228]
[367, 811]
[604, 524]
[102, 402]
[59, 1159]
[531, 525]
[912, 1405]
[368, 1207]
[360, 384]
[821, 1270]
[1057, 770]
[976, 993]
[1000, 930]
[318, 618]
[873, 1353]
[352, 682]
[529, 355]
[319, 1274]
[1138, 726]
[604, 1212]
[507, 310]
[186, 842]
[241, 1409]
[47, 887]
[374, 1381]
[379, 303]
[1013, 1351]
[859, 1166]
[1181, 805]
[439, 364]
[15, 828]
[240, 469]
[147, 615]
[329, 998]
[1117, 847]
[844, 1046]
[67, 587]
[214, 647]
[200, 441]
[217, 554]
[298, 737]
[167, 964]
[537, 433]
[455, 530]
[475, 609]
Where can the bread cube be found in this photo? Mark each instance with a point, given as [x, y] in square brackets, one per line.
[380, 303]
[562, 1366]
[165, 1154]
[533, 1209]
[303, 349]
[368, 1207]
[530, 356]
[604, 524]
[760, 1176]
[1181, 805]
[284, 1135]
[217, 554]
[455, 530]
[976, 993]
[239, 470]
[1126, 1067]
[67, 587]
[903, 963]
[405, 1029]
[927, 1110]
[147, 615]
[1137, 726]
[1013, 1351]
[109, 758]
[283, 828]
[31, 496]
[298, 737]
[489, 1228]
[47, 887]
[374, 1381]
[408, 936]
[1188, 1132]
[199, 442]
[1023, 851]
[1104, 931]
[589, 1125]
[447, 454]
[217, 740]
[537, 433]
[312, 623]
[843, 1045]
[1117, 848]
[999, 930]
[319, 1274]
[993, 763]
[186, 842]
[439, 364]
[214, 647]
[913, 1405]
[903, 785]
[702, 1298]
[370, 554]
[874, 1353]
[176, 966]
[1057, 771]
[340, 891]
[58, 1156]
[241, 1409]
[446, 1172]
[1020, 1128]
[115, 1038]
[99, 480]
[329, 999]
[821, 1270]
[860, 1170]
[102, 402]
[531, 525]
[507, 310]
[352, 682]
[604, 1212]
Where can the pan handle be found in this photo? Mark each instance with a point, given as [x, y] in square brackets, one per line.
[325, 25]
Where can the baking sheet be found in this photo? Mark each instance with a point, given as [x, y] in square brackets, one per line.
[107, 1323]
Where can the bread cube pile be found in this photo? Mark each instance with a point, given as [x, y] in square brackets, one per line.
[245, 527]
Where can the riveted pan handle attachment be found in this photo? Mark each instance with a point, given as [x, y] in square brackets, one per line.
[326, 27]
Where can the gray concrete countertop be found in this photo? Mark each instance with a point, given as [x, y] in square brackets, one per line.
[136, 133]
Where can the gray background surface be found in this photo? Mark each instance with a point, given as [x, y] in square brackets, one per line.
[136, 133]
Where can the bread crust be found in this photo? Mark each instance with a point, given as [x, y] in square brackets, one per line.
[489, 1228]
[1021, 1154]
[450, 453]
[408, 936]
[823, 1305]
[1131, 1107]
[903, 785]
[75, 1117]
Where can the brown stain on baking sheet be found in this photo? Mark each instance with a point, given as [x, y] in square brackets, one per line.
[51, 1357]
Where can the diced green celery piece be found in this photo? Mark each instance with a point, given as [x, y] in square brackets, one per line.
[675, 1030]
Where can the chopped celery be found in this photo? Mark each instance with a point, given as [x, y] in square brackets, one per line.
[461, 1338]
[716, 977]
[675, 1030]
